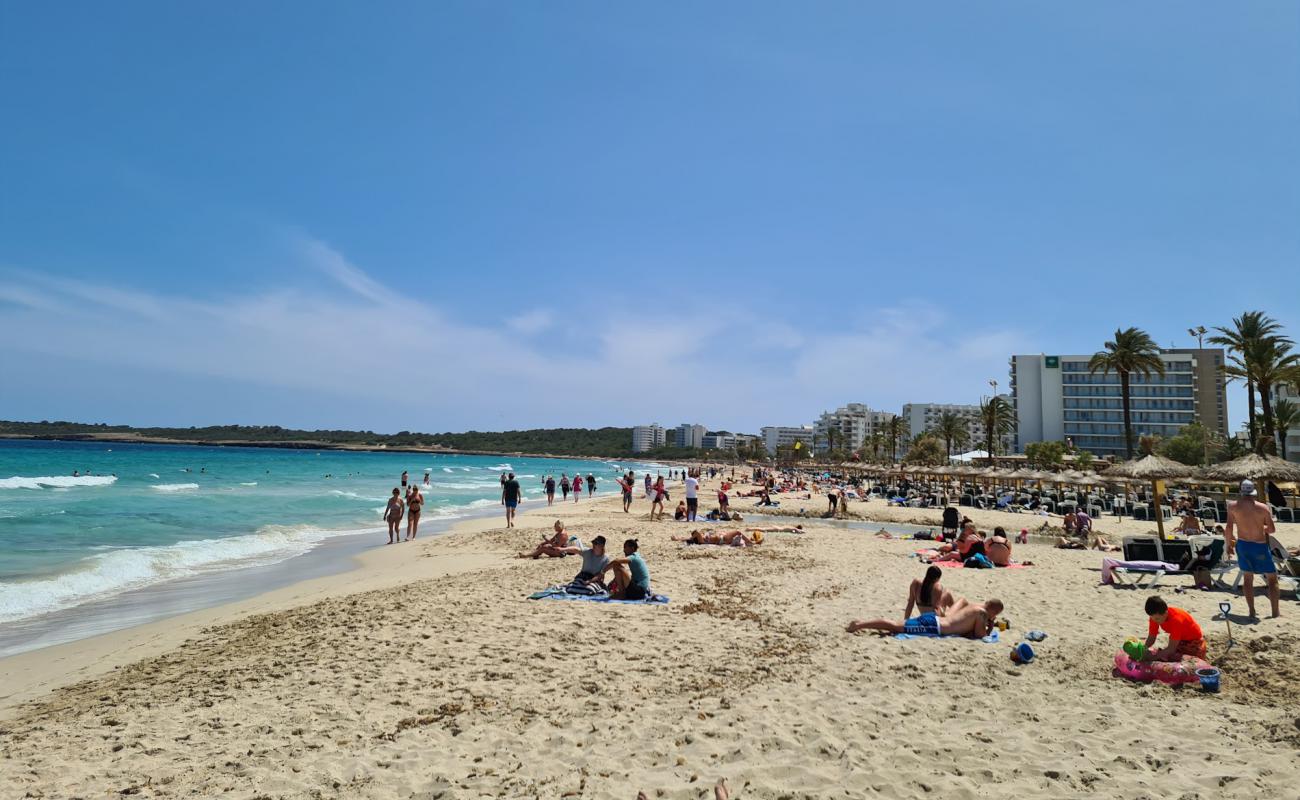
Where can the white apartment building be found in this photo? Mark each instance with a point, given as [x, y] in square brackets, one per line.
[1058, 398]
[726, 441]
[922, 417]
[783, 436]
[689, 435]
[850, 426]
[648, 437]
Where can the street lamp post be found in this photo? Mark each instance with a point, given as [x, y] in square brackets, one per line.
[1199, 332]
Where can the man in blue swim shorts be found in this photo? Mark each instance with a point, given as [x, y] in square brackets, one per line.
[1250, 523]
[961, 619]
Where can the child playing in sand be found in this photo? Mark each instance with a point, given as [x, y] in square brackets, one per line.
[1185, 637]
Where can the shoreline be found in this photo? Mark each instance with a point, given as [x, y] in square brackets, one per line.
[28, 674]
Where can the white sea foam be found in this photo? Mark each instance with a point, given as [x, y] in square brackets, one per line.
[175, 487]
[154, 475]
[468, 486]
[446, 469]
[501, 468]
[56, 481]
[355, 496]
[121, 570]
[250, 483]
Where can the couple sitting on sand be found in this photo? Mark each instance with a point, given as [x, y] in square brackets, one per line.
[940, 613]
[556, 545]
[971, 544]
[631, 575]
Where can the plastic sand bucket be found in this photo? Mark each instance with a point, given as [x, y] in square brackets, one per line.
[1022, 653]
[1209, 679]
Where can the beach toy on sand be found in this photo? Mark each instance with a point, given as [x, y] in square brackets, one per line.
[1022, 653]
[1134, 649]
[1209, 678]
[1171, 672]
[1035, 636]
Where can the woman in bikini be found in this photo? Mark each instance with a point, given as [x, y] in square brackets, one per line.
[414, 502]
[393, 516]
[927, 594]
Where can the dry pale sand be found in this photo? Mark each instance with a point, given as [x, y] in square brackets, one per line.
[457, 686]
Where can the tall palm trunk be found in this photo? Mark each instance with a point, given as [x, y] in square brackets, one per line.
[1128, 417]
[1268, 442]
[1250, 413]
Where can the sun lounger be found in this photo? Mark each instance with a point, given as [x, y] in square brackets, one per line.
[1136, 574]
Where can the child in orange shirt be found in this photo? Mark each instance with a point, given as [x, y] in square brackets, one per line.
[1185, 637]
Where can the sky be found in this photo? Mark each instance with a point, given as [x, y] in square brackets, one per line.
[448, 216]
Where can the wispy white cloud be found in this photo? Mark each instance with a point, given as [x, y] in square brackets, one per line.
[532, 322]
[356, 340]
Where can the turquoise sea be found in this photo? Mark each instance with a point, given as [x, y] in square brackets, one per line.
[140, 515]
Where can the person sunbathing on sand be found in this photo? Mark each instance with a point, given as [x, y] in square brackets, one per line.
[962, 619]
[555, 546]
[927, 594]
[732, 538]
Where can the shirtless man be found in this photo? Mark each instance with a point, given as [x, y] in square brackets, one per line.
[962, 619]
[1250, 523]
[554, 546]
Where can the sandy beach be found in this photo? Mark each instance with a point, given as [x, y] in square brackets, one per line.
[427, 673]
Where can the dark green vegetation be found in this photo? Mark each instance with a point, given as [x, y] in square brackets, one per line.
[553, 441]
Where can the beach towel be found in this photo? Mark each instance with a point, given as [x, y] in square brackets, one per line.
[960, 565]
[1108, 565]
[559, 593]
[992, 638]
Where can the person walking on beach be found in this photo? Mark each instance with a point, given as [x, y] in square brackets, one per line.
[564, 486]
[414, 502]
[1250, 523]
[626, 485]
[393, 516]
[510, 498]
[550, 490]
[660, 495]
[577, 488]
[692, 497]
[648, 485]
[591, 484]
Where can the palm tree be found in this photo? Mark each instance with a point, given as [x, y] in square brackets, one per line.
[1131, 351]
[1273, 364]
[950, 427]
[999, 420]
[1250, 327]
[894, 431]
[1287, 416]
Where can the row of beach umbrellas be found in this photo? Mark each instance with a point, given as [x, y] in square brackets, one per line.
[1152, 468]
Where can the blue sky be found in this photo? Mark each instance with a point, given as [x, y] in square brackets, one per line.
[440, 216]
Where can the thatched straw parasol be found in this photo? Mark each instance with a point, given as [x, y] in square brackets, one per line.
[1153, 468]
[1254, 468]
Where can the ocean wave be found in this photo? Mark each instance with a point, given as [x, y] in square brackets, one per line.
[175, 487]
[249, 483]
[355, 496]
[446, 469]
[56, 481]
[154, 475]
[472, 485]
[121, 570]
[500, 468]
